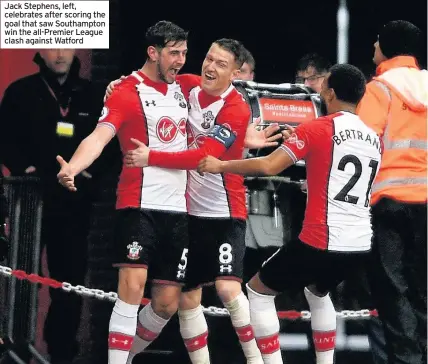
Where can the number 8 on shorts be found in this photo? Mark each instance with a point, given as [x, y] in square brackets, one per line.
[225, 258]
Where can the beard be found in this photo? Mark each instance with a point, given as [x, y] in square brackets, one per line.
[162, 73]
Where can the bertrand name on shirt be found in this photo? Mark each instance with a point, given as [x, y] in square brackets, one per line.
[346, 134]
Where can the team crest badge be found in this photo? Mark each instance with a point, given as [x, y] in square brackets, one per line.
[134, 250]
[208, 119]
[180, 98]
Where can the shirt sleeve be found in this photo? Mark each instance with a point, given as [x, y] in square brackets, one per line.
[234, 118]
[297, 146]
[188, 81]
[230, 126]
[117, 109]
[374, 107]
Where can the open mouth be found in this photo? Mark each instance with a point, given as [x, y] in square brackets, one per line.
[209, 77]
[174, 71]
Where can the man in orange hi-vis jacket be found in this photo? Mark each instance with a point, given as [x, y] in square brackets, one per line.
[395, 106]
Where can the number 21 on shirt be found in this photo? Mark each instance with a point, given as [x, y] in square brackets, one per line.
[344, 194]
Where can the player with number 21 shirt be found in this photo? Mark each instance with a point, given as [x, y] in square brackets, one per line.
[342, 157]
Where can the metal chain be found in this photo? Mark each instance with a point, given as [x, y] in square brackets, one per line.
[5, 271]
[348, 314]
[211, 310]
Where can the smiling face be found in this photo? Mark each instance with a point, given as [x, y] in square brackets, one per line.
[169, 59]
[218, 70]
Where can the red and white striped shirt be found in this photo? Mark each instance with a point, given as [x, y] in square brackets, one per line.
[156, 114]
[342, 158]
[217, 127]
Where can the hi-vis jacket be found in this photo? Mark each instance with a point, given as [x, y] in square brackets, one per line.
[395, 106]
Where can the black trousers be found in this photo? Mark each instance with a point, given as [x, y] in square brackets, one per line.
[398, 278]
[354, 295]
[65, 227]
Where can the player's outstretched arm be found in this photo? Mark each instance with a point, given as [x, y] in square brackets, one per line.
[231, 125]
[86, 153]
[188, 159]
[219, 140]
[264, 166]
[143, 156]
[90, 148]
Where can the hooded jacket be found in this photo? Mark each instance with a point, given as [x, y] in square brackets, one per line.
[395, 106]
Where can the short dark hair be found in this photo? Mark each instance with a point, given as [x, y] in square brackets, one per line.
[163, 32]
[399, 38]
[235, 47]
[249, 59]
[348, 83]
[321, 64]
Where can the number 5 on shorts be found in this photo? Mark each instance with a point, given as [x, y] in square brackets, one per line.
[225, 258]
[181, 272]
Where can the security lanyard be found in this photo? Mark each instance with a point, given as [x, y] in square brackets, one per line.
[62, 110]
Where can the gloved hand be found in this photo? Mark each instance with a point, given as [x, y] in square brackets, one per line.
[4, 243]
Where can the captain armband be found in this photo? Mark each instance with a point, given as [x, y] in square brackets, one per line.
[223, 135]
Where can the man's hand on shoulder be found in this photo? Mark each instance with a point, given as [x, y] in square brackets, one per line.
[111, 87]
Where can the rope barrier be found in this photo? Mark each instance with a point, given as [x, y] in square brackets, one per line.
[211, 310]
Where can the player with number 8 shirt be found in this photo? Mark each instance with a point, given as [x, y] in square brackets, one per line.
[342, 158]
[217, 125]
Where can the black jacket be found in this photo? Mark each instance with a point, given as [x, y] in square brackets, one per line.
[3, 206]
[29, 117]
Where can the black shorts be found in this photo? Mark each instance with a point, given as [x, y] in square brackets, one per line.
[216, 250]
[297, 265]
[157, 240]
